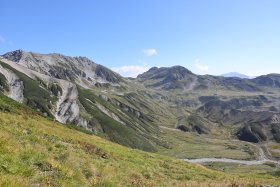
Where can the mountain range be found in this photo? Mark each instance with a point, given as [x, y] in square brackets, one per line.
[168, 110]
[76, 90]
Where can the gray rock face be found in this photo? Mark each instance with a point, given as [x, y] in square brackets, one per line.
[78, 69]
[66, 109]
[15, 85]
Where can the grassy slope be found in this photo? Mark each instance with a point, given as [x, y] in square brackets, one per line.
[115, 131]
[35, 150]
[188, 145]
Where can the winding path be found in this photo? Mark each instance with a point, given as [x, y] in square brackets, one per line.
[261, 160]
[227, 160]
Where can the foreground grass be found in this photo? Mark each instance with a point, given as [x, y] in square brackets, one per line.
[37, 151]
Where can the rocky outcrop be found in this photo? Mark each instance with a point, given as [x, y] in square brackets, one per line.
[15, 85]
[252, 132]
[66, 109]
[193, 123]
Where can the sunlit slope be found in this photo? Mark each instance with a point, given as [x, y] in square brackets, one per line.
[35, 150]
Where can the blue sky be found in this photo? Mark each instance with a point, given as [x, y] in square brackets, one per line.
[129, 36]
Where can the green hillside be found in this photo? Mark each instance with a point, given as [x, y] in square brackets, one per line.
[35, 150]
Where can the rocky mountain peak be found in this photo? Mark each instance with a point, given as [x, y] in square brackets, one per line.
[14, 55]
[168, 78]
[176, 71]
[180, 71]
[153, 69]
[78, 69]
[83, 58]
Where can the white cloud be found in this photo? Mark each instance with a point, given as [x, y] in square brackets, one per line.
[131, 71]
[149, 52]
[202, 68]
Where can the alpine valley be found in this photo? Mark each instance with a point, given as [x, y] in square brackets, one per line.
[167, 117]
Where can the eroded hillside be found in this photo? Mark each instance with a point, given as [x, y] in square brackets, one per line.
[132, 112]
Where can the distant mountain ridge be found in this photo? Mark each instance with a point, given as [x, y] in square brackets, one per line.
[178, 77]
[76, 90]
[236, 74]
